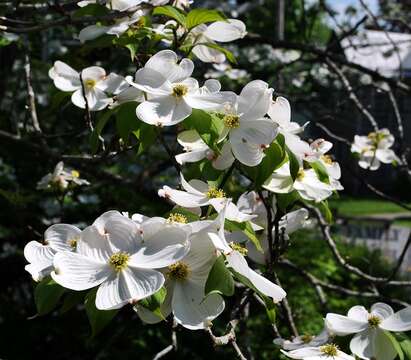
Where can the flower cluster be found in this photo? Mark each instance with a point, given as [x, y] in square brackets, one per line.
[130, 259]
[372, 338]
[61, 179]
[374, 149]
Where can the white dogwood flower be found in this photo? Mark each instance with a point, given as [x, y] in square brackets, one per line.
[185, 284]
[370, 341]
[119, 27]
[195, 149]
[307, 183]
[120, 5]
[197, 193]
[280, 112]
[113, 255]
[324, 352]
[303, 341]
[171, 91]
[60, 179]
[236, 261]
[219, 31]
[374, 149]
[58, 237]
[95, 84]
[320, 147]
[249, 133]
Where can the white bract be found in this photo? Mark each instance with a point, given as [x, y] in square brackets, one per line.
[197, 193]
[96, 85]
[114, 255]
[320, 147]
[306, 183]
[185, 284]
[119, 27]
[171, 91]
[249, 133]
[303, 341]
[219, 31]
[370, 341]
[60, 179]
[196, 149]
[236, 261]
[324, 352]
[120, 5]
[374, 149]
[58, 237]
[280, 112]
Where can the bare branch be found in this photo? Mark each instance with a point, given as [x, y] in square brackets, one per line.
[352, 94]
[325, 229]
[228, 338]
[30, 93]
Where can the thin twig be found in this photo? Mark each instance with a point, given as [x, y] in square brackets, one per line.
[352, 94]
[228, 338]
[30, 93]
[325, 229]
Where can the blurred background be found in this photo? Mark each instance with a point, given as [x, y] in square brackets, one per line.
[316, 53]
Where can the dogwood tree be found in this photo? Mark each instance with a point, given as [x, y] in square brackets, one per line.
[187, 265]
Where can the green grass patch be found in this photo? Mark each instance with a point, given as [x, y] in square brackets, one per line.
[356, 207]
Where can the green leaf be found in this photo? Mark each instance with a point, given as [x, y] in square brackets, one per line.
[201, 16]
[154, 302]
[46, 295]
[98, 319]
[294, 164]
[133, 48]
[326, 211]
[228, 54]
[405, 344]
[171, 12]
[71, 299]
[146, 135]
[395, 343]
[247, 229]
[321, 171]
[126, 120]
[285, 201]
[91, 10]
[95, 137]
[209, 126]
[274, 157]
[270, 309]
[220, 280]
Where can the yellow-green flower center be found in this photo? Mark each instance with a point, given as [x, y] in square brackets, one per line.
[89, 83]
[306, 338]
[329, 349]
[75, 174]
[327, 159]
[237, 247]
[118, 261]
[73, 242]
[374, 321]
[213, 193]
[376, 137]
[178, 271]
[180, 90]
[177, 218]
[231, 121]
[300, 174]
